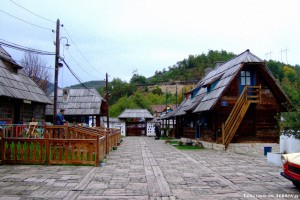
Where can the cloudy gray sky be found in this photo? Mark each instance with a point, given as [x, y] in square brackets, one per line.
[120, 36]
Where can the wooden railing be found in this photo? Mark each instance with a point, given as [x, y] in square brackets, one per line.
[250, 94]
[19, 130]
[60, 145]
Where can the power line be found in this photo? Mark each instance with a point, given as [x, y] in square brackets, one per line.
[18, 61]
[79, 50]
[22, 48]
[79, 64]
[33, 12]
[26, 21]
[75, 75]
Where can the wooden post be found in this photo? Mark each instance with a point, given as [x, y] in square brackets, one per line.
[47, 147]
[106, 138]
[2, 145]
[97, 152]
[223, 134]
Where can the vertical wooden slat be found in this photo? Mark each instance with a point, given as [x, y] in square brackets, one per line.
[78, 152]
[47, 147]
[22, 150]
[15, 150]
[84, 152]
[97, 153]
[60, 147]
[73, 152]
[34, 151]
[41, 151]
[67, 152]
[27, 157]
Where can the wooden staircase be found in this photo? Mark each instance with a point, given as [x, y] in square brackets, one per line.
[250, 94]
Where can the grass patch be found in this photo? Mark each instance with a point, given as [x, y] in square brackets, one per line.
[188, 147]
[175, 143]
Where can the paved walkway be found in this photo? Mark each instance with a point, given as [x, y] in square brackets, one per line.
[144, 168]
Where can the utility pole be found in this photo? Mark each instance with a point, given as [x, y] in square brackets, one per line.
[166, 100]
[176, 97]
[106, 84]
[56, 71]
[282, 50]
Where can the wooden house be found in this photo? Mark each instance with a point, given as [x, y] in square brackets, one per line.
[20, 97]
[138, 122]
[81, 106]
[236, 102]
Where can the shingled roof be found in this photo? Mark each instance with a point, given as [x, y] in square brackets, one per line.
[77, 102]
[200, 100]
[16, 84]
[136, 113]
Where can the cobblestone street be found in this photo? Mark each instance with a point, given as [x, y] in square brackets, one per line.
[144, 168]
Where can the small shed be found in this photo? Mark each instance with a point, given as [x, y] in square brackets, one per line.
[81, 106]
[21, 99]
[137, 122]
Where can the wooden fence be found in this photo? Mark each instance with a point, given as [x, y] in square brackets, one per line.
[60, 145]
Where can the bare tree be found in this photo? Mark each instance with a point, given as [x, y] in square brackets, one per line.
[36, 68]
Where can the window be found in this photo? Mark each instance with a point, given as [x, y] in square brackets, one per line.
[195, 92]
[212, 86]
[5, 111]
[26, 112]
[245, 78]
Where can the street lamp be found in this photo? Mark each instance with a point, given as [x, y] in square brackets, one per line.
[57, 65]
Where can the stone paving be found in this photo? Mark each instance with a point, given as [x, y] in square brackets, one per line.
[144, 168]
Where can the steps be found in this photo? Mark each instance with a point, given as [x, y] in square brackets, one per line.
[250, 94]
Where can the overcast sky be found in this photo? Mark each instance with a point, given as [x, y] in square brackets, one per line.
[120, 36]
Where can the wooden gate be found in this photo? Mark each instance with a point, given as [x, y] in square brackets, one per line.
[135, 129]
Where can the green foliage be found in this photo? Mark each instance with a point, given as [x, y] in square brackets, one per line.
[138, 80]
[117, 89]
[124, 102]
[192, 68]
[289, 79]
[291, 124]
[157, 91]
[277, 69]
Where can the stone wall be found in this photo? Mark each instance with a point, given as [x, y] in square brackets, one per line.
[252, 148]
[243, 148]
[209, 145]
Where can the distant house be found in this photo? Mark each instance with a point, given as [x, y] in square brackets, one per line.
[20, 97]
[138, 122]
[81, 106]
[161, 110]
[236, 102]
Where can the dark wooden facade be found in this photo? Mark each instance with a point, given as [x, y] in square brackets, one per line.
[258, 124]
[18, 111]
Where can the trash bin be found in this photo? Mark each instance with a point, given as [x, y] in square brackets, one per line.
[266, 150]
